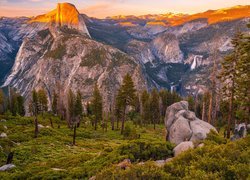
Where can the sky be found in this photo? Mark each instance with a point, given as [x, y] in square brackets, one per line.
[104, 8]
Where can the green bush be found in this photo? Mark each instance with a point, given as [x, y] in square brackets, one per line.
[141, 150]
[215, 138]
[130, 132]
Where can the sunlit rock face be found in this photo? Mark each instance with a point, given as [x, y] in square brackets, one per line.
[64, 15]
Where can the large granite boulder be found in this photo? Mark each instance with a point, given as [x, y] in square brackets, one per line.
[182, 124]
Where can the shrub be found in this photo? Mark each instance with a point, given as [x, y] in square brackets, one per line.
[215, 138]
[141, 150]
[130, 132]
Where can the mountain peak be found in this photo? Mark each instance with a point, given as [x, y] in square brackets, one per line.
[65, 14]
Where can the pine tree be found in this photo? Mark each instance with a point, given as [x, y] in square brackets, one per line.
[145, 101]
[155, 107]
[42, 101]
[125, 97]
[164, 101]
[20, 105]
[2, 100]
[96, 106]
[242, 82]
[70, 107]
[35, 109]
[228, 77]
[55, 103]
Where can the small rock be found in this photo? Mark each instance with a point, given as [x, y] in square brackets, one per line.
[47, 126]
[7, 167]
[124, 164]
[5, 127]
[160, 163]
[58, 169]
[168, 160]
[141, 163]
[3, 120]
[40, 126]
[3, 135]
[184, 146]
[92, 178]
[201, 145]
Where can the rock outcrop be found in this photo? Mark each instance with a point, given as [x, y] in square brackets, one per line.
[183, 126]
[71, 60]
[65, 14]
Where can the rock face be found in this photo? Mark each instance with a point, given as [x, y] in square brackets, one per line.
[166, 48]
[182, 125]
[184, 146]
[65, 14]
[71, 60]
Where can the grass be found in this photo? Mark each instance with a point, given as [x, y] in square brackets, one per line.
[38, 158]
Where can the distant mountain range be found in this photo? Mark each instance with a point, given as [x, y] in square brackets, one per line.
[71, 50]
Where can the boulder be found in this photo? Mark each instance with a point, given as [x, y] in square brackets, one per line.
[124, 164]
[7, 167]
[40, 126]
[240, 131]
[183, 125]
[200, 129]
[180, 131]
[172, 110]
[3, 135]
[160, 163]
[184, 146]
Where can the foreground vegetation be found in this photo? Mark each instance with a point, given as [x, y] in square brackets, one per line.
[52, 155]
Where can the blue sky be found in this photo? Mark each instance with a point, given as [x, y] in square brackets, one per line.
[104, 8]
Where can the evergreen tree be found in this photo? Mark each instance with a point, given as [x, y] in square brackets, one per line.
[155, 107]
[164, 101]
[70, 107]
[20, 105]
[242, 81]
[35, 109]
[2, 101]
[55, 103]
[96, 106]
[42, 101]
[125, 97]
[228, 77]
[191, 103]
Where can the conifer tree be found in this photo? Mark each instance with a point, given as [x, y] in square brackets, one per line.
[125, 97]
[42, 101]
[2, 101]
[35, 109]
[155, 107]
[96, 106]
[228, 77]
[55, 103]
[145, 100]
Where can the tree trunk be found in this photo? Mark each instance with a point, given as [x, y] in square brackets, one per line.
[95, 123]
[123, 120]
[210, 109]
[203, 110]
[51, 123]
[36, 127]
[112, 121]
[74, 136]
[230, 115]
